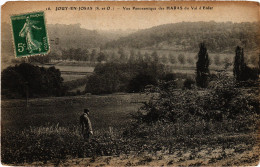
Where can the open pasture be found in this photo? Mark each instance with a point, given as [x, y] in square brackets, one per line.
[48, 132]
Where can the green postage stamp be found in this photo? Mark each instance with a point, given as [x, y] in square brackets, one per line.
[30, 35]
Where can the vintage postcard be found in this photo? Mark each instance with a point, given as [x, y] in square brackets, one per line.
[113, 83]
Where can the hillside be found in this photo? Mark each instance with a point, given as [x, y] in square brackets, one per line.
[185, 36]
[73, 36]
[61, 37]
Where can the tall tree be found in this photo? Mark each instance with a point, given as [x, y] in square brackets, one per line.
[164, 59]
[87, 54]
[172, 59]
[182, 59]
[101, 57]
[93, 55]
[239, 64]
[202, 67]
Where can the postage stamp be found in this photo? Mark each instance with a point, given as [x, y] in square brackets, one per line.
[29, 34]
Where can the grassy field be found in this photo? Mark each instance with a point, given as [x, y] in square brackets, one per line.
[73, 68]
[47, 132]
[107, 110]
[71, 77]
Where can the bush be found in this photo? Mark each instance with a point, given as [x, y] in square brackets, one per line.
[123, 77]
[75, 83]
[188, 83]
[222, 102]
[139, 82]
[169, 77]
[37, 81]
[103, 84]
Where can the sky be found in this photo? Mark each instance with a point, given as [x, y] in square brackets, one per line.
[118, 18]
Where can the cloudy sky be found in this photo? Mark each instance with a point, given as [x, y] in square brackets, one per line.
[134, 19]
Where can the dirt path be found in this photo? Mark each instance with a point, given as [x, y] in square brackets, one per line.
[204, 157]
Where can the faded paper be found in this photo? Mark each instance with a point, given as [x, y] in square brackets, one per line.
[41, 127]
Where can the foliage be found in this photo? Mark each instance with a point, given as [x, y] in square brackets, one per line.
[169, 77]
[101, 57]
[164, 59]
[75, 54]
[223, 101]
[181, 59]
[40, 139]
[241, 71]
[202, 67]
[25, 78]
[75, 83]
[138, 83]
[219, 37]
[172, 59]
[188, 83]
[123, 77]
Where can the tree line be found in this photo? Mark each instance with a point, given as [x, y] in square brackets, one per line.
[131, 76]
[241, 71]
[219, 37]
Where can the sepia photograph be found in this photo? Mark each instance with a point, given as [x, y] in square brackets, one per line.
[124, 83]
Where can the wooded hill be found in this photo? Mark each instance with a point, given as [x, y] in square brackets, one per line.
[185, 36]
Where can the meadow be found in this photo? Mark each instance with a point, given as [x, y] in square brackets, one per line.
[47, 133]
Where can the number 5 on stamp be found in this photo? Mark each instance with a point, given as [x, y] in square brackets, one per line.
[29, 33]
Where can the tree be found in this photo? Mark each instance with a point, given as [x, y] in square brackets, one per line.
[37, 81]
[172, 59]
[239, 63]
[164, 59]
[78, 54]
[188, 83]
[181, 59]
[139, 82]
[93, 55]
[101, 57]
[202, 67]
[86, 55]
[241, 71]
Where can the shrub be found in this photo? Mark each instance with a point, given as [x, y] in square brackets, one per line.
[139, 82]
[37, 81]
[169, 77]
[222, 102]
[75, 83]
[123, 77]
[188, 83]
